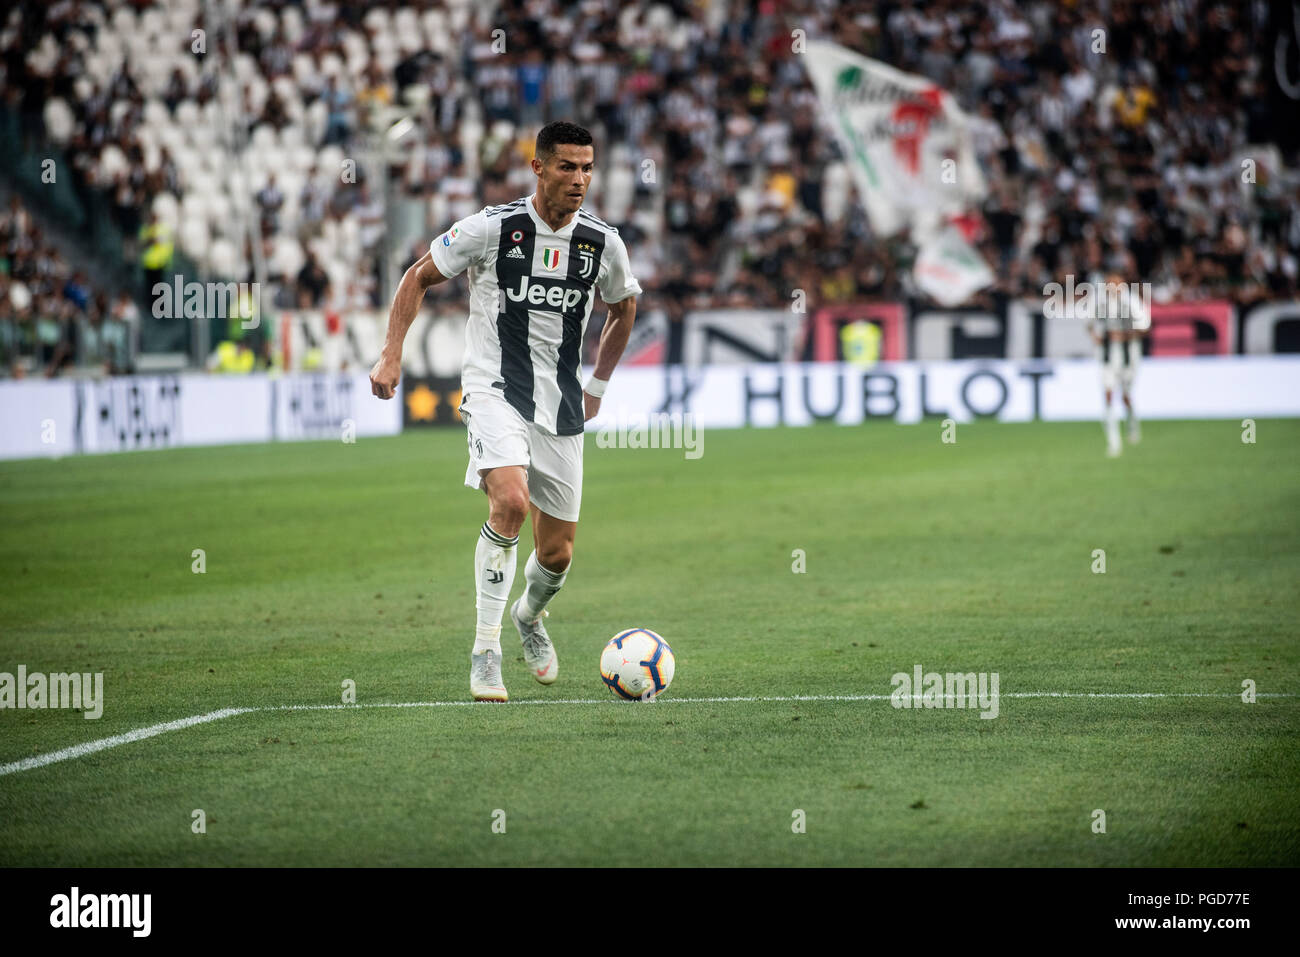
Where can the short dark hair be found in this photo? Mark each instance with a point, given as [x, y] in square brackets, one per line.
[553, 134]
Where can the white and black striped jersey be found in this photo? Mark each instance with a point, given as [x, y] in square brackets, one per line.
[529, 301]
[1116, 308]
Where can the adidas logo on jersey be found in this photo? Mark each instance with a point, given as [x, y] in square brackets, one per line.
[514, 253]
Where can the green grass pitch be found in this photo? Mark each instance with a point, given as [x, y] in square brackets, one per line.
[328, 561]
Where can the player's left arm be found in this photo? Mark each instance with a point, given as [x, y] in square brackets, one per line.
[613, 340]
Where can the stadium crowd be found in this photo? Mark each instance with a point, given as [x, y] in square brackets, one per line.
[711, 159]
[50, 312]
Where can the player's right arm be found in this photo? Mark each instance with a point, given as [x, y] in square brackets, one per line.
[387, 371]
[460, 247]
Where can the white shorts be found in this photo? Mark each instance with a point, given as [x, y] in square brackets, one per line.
[1117, 374]
[1115, 378]
[1118, 377]
[498, 436]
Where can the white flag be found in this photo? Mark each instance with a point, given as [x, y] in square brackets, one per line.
[906, 141]
[949, 270]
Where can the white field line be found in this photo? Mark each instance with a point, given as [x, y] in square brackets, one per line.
[139, 734]
[103, 744]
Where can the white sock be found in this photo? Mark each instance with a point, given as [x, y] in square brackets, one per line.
[542, 586]
[1112, 426]
[494, 573]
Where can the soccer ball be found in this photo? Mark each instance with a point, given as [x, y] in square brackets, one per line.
[637, 663]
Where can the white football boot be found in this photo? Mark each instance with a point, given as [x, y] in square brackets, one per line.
[539, 653]
[485, 682]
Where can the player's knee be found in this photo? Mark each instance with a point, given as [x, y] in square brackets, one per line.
[515, 505]
[510, 508]
[555, 556]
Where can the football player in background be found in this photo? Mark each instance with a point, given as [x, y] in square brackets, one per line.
[1120, 316]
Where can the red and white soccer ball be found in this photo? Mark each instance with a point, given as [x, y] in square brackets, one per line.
[637, 664]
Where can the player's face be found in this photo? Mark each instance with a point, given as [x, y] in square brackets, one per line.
[563, 179]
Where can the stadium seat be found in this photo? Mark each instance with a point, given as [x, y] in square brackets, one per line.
[376, 19]
[60, 122]
[263, 138]
[112, 161]
[152, 154]
[124, 21]
[291, 23]
[223, 259]
[331, 65]
[152, 23]
[288, 257]
[194, 237]
[266, 22]
[167, 209]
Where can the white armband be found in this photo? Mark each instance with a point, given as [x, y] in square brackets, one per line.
[595, 387]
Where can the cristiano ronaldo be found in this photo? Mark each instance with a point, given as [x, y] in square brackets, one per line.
[532, 266]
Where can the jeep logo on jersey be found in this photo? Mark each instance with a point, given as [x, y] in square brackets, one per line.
[540, 292]
[550, 257]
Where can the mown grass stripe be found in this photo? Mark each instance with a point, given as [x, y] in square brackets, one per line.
[140, 734]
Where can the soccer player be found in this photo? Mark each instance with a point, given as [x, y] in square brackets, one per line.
[1119, 318]
[532, 266]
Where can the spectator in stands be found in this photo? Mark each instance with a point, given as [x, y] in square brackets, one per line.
[177, 91]
[121, 330]
[277, 57]
[369, 210]
[232, 357]
[275, 114]
[270, 199]
[56, 334]
[156, 249]
[1004, 222]
[167, 177]
[531, 82]
[311, 205]
[340, 120]
[376, 93]
[313, 281]
[1132, 104]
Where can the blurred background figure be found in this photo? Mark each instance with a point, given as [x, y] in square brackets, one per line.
[1119, 316]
